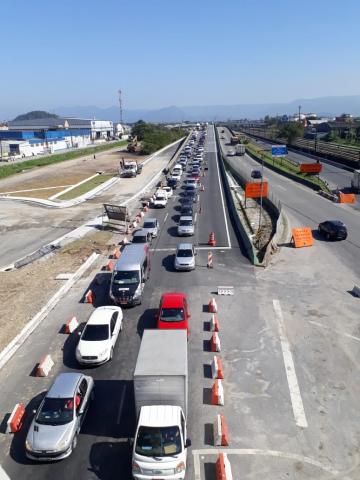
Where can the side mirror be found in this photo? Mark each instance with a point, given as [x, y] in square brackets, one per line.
[34, 411]
[188, 443]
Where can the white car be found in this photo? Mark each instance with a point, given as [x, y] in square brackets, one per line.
[176, 176]
[184, 257]
[168, 190]
[160, 199]
[98, 338]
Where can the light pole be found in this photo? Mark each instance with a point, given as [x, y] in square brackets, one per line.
[261, 189]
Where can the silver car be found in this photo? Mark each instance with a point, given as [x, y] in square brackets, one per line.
[152, 226]
[185, 226]
[184, 257]
[54, 430]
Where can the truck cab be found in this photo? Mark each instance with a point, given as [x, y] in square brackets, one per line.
[161, 435]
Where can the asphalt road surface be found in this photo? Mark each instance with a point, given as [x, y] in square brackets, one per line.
[291, 388]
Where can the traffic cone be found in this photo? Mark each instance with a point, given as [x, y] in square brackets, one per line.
[212, 241]
[202, 188]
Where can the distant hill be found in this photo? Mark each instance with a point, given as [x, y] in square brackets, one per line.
[34, 115]
[327, 106]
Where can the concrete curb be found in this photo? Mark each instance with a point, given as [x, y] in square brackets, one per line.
[16, 343]
[68, 189]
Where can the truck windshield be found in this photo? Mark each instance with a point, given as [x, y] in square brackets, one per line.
[172, 314]
[126, 278]
[158, 441]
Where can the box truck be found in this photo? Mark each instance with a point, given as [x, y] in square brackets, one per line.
[355, 181]
[240, 149]
[161, 397]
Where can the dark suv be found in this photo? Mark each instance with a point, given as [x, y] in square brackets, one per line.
[333, 230]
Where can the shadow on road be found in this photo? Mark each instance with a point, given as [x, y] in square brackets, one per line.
[146, 320]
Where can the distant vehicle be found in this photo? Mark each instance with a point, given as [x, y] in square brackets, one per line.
[240, 149]
[172, 182]
[256, 174]
[173, 311]
[185, 226]
[54, 430]
[355, 181]
[231, 153]
[130, 169]
[184, 257]
[141, 236]
[152, 226]
[186, 211]
[234, 140]
[98, 338]
[333, 230]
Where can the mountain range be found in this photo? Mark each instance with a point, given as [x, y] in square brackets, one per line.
[322, 106]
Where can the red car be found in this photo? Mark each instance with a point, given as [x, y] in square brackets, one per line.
[173, 311]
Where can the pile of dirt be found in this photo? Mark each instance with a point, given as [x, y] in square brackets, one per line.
[25, 291]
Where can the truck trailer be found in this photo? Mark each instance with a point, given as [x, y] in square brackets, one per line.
[161, 403]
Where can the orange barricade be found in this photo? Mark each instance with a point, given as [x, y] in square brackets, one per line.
[347, 198]
[302, 237]
[253, 189]
[310, 167]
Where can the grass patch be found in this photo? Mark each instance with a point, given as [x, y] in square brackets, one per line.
[288, 166]
[85, 187]
[8, 170]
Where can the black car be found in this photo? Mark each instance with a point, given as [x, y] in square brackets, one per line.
[186, 211]
[333, 230]
[256, 174]
[172, 182]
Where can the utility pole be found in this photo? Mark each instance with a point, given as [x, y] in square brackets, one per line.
[299, 113]
[120, 107]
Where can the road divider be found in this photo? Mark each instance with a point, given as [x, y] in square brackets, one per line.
[15, 421]
[217, 371]
[223, 468]
[215, 345]
[212, 307]
[44, 366]
[221, 432]
[71, 325]
[89, 296]
[217, 393]
[214, 323]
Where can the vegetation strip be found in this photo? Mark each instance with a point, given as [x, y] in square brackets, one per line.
[85, 187]
[8, 170]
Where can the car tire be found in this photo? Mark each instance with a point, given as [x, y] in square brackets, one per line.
[74, 442]
[111, 354]
[92, 395]
[327, 236]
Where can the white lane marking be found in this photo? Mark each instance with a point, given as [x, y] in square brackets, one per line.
[195, 217]
[3, 474]
[221, 192]
[296, 400]
[264, 453]
[166, 216]
[121, 405]
[347, 335]
[281, 187]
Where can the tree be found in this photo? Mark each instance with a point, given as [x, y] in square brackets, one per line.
[291, 131]
[35, 115]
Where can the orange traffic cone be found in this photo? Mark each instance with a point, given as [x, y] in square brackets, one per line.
[212, 240]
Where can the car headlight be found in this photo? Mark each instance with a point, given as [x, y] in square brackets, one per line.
[63, 445]
[28, 445]
[136, 468]
[103, 352]
[137, 291]
[180, 467]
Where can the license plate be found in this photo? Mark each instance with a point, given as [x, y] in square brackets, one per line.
[123, 302]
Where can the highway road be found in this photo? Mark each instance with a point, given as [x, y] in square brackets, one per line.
[291, 389]
[336, 177]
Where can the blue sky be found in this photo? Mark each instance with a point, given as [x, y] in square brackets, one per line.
[167, 52]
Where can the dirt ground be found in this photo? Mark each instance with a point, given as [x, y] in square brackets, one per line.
[25, 291]
[65, 173]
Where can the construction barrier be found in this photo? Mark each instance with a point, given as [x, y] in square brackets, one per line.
[209, 260]
[212, 241]
[356, 291]
[116, 253]
[212, 307]
[217, 393]
[221, 432]
[215, 345]
[109, 266]
[141, 214]
[310, 167]
[15, 420]
[223, 468]
[225, 290]
[302, 237]
[256, 189]
[202, 188]
[44, 367]
[347, 198]
[89, 297]
[71, 325]
[217, 371]
[214, 323]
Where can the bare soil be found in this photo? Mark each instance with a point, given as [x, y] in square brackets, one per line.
[25, 291]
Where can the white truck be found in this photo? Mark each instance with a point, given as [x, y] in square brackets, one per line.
[355, 181]
[161, 397]
[240, 149]
[131, 169]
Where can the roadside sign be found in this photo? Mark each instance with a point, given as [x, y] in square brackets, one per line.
[115, 212]
[310, 167]
[256, 189]
[279, 150]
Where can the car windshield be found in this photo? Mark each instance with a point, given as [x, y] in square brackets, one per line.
[126, 278]
[158, 442]
[95, 333]
[184, 253]
[56, 411]
[149, 224]
[172, 314]
[185, 223]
